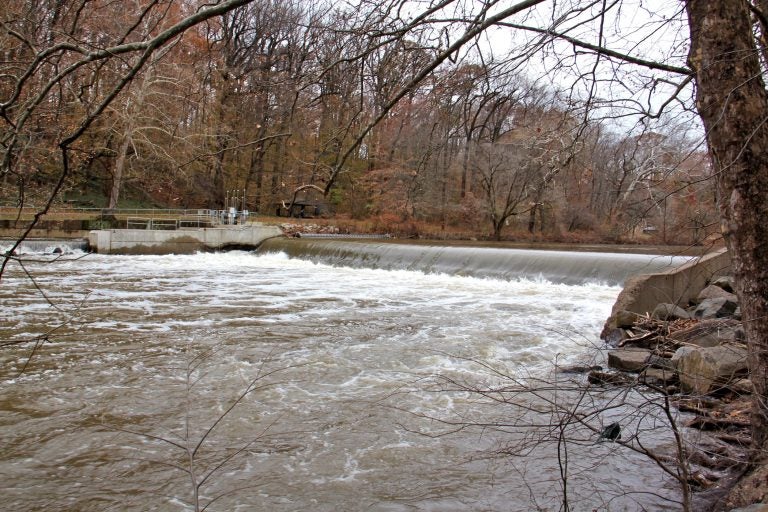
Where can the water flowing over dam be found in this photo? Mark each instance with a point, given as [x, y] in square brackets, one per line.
[556, 266]
[312, 375]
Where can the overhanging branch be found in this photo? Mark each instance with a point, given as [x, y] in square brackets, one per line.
[602, 50]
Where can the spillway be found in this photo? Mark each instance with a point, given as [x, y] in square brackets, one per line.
[557, 266]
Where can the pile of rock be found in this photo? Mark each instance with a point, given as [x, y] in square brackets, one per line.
[698, 354]
[701, 349]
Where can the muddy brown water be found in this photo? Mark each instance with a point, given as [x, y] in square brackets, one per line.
[263, 382]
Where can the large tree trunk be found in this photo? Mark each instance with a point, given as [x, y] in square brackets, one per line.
[117, 173]
[733, 104]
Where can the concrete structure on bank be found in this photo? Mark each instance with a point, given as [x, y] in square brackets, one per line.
[642, 293]
[181, 241]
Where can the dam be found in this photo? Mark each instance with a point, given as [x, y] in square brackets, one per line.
[474, 260]
[180, 241]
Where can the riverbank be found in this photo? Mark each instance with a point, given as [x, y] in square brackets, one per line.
[76, 223]
[693, 352]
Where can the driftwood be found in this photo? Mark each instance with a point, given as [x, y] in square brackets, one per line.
[733, 439]
[711, 423]
[700, 402]
[715, 463]
[684, 407]
[639, 339]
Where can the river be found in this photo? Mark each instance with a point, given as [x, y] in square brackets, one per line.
[269, 382]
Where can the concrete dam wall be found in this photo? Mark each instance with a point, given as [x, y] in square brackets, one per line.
[182, 241]
[642, 293]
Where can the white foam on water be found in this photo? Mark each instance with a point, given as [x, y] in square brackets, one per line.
[348, 343]
[46, 251]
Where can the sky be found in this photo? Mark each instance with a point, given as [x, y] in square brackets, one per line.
[650, 29]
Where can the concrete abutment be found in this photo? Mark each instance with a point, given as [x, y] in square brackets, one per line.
[182, 241]
[642, 293]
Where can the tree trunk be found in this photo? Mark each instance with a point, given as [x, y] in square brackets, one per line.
[532, 218]
[733, 104]
[117, 173]
[217, 194]
[465, 167]
[497, 227]
[256, 169]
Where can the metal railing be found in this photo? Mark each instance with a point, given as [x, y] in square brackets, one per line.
[115, 211]
[147, 218]
[151, 223]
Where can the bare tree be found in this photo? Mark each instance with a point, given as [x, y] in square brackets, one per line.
[505, 178]
[68, 62]
[65, 64]
[733, 103]
[582, 421]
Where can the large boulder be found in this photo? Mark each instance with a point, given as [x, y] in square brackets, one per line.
[715, 292]
[705, 369]
[727, 283]
[715, 308]
[665, 311]
[628, 359]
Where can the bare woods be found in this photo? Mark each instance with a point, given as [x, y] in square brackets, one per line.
[396, 117]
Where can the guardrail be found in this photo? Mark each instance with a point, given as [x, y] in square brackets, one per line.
[115, 211]
[151, 223]
[148, 218]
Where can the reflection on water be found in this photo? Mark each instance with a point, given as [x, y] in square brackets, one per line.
[279, 384]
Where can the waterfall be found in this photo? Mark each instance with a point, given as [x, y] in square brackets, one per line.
[557, 266]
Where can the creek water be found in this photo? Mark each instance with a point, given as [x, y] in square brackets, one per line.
[259, 381]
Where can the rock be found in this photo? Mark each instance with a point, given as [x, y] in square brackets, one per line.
[679, 354]
[611, 432]
[602, 378]
[612, 327]
[742, 386]
[655, 361]
[715, 292]
[579, 368]
[726, 283]
[625, 318]
[715, 308]
[666, 311]
[614, 337]
[659, 377]
[710, 333]
[705, 369]
[750, 490]
[628, 359]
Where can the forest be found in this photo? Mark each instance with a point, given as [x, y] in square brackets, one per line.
[564, 120]
[366, 109]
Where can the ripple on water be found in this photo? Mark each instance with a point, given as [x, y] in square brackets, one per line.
[350, 374]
